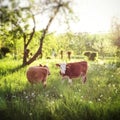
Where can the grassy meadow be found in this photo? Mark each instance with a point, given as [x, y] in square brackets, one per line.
[97, 99]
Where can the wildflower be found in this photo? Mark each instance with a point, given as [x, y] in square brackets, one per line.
[109, 85]
[81, 100]
[61, 95]
[90, 102]
[47, 95]
[33, 94]
[109, 98]
[114, 85]
[13, 96]
[26, 97]
[116, 91]
[112, 75]
[52, 102]
[30, 114]
[99, 99]
[79, 90]
[74, 96]
[98, 85]
[101, 95]
[81, 96]
[101, 62]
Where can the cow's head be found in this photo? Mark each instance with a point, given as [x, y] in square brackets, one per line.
[62, 67]
[47, 69]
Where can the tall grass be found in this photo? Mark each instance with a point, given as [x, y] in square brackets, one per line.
[97, 99]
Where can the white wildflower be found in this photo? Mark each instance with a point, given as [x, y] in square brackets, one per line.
[26, 97]
[109, 85]
[98, 85]
[81, 96]
[74, 96]
[33, 94]
[52, 102]
[61, 95]
[112, 75]
[79, 90]
[47, 95]
[99, 99]
[114, 85]
[116, 91]
[90, 102]
[81, 100]
[30, 114]
[101, 95]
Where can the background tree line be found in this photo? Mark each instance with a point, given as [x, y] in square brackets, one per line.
[25, 42]
[15, 17]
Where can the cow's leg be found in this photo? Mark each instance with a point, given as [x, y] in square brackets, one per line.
[84, 78]
[64, 77]
[44, 83]
[69, 80]
[63, 80]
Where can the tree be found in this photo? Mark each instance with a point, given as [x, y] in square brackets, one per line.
[11, 17]
[19, 16]
[115, 28]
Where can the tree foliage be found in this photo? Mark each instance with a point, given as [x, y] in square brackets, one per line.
[17, 16]
[115, 27]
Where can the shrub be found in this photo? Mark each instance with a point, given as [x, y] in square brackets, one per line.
[118, 53]
[91, 55]
[4, 51]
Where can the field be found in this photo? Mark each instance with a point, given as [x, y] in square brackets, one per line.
[97, 99]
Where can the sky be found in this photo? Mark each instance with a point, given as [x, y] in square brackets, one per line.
[95, 15]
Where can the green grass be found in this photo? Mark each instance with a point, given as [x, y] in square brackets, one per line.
[97, 99]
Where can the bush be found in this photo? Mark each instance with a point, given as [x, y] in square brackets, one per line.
[4, 51]
[118, 53]
[92, 56]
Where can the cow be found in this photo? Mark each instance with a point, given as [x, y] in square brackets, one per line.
[73, 70]
[37, 74]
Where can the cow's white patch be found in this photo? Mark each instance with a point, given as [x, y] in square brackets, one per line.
[70, 81]
[63, 68]
[44, 83]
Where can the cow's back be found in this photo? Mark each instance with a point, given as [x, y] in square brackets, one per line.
[76, 69]
[36, 74]
[83, 66]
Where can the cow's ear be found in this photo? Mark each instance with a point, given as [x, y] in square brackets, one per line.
[68, 66]
[40, 65]
[57, 65]
[45, 66]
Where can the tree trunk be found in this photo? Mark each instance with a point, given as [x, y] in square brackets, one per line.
[39, 51]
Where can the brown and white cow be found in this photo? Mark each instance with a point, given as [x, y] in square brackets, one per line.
[73, 70]
[37, 74]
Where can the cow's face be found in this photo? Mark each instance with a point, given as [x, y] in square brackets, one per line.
[62, 67]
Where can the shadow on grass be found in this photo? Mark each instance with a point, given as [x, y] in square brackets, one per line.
[10, 70]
